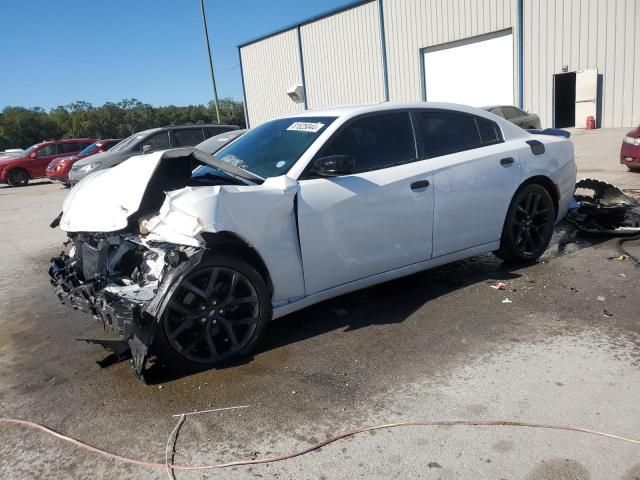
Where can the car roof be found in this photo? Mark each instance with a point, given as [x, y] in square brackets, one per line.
[66, 140]
[509, 130]
[182, 127]
[355, 110]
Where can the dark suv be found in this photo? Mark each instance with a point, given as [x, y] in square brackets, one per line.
[144, 142]
[32, 163]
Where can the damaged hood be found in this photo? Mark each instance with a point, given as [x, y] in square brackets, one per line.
[105, 200]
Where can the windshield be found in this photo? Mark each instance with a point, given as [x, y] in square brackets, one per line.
[217, 142]
[29, 150]
[272, 148]
[90, 149]
[126, 142]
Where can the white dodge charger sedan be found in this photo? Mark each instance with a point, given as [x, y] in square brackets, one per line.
[189, 256]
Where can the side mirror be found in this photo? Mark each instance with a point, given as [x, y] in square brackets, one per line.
[33, 155]
[146, 149]
[334, 165]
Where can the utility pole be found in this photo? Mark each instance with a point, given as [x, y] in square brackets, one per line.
[213, 78]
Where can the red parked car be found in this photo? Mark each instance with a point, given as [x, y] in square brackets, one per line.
[630, 151]
[58, 169]
[33, 162]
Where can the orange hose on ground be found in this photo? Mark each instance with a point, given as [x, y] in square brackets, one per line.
[443, 423]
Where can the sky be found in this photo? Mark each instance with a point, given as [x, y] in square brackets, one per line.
[54, 52]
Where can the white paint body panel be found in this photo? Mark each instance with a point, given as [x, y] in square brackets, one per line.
[324, 237]
[586, 96]
[472, 194]
[355, 226]
[478, 73]
[91, 205]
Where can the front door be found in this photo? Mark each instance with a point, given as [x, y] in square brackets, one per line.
[38, 165]
[375, 220]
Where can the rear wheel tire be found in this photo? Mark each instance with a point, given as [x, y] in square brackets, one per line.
[218, 314]
[528, 227]
[17, 177]
[633, 169]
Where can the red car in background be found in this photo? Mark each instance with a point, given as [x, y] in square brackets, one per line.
[33, 162]
[58, 169]
[630, 151]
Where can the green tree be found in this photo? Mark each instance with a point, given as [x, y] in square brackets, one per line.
[22, 127]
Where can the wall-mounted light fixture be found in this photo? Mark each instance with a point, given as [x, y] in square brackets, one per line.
[296, 93]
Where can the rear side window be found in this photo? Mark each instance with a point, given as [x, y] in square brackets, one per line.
[48, 150]
[211, 131]
[69, 147]
[489, 132]
[188, 137]
[444, 132]
[375, 142]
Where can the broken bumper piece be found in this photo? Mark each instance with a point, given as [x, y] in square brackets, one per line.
[123, 283]
[603, 209]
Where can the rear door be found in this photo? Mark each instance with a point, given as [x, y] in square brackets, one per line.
[375, 220]
[475, 174]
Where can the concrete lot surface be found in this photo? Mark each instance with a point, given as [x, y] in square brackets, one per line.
[439, 345]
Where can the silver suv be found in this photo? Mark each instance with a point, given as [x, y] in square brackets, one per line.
[144, 142]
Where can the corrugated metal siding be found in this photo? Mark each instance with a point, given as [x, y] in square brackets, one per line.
[342, 58]
[270, 67]
[583, 34]
[415, 24]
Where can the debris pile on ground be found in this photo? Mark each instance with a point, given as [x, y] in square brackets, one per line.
[607, 210]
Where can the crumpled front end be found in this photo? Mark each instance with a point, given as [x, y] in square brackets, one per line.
[138, 229]
[122, 281]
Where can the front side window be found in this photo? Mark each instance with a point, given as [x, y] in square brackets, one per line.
[444, 132]
[271, 149]
[159, 141]
[48, 150]
[188, 137]
[376, 141]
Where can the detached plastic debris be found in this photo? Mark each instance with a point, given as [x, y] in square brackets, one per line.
[607, 211]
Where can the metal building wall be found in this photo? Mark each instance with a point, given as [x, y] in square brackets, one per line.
[270, 66]
[411, 25]
[584, 34]
[342, 58]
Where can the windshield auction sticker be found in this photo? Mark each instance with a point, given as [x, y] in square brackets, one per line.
[311, 127]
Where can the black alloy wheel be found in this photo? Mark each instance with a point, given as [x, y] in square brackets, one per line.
[17, 177]
[218, 313]
[529, 225]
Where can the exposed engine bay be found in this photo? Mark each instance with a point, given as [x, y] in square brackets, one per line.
[121, 281]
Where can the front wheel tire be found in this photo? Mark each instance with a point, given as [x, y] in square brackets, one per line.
[17, 177]
[528, 227]
[217, 314]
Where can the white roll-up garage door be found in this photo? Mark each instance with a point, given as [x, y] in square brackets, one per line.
[477, 72]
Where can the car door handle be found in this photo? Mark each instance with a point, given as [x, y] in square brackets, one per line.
[419, 184]
[506, 161]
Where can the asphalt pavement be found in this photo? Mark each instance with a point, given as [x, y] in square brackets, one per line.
[439, 345]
